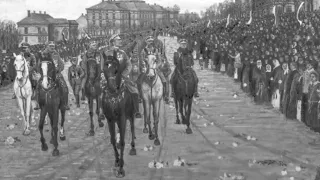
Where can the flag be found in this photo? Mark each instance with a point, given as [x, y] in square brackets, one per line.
[300, 22]
[228, 20]
[250, 20]
[276, 16]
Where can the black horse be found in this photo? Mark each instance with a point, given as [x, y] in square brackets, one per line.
[117, 105]
[50, 102]
[93, 91]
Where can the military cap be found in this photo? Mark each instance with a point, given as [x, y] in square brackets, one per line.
[183, 41]
[51, 43]
[149, 38]
[114, 37]
[25, 45]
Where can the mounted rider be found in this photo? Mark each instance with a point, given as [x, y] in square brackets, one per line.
[183, 54]
[32, 64]
[50, 49]
[125, 64]
[75, 74]
[155, 47]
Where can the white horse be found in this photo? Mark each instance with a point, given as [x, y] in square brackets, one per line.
[23, 91]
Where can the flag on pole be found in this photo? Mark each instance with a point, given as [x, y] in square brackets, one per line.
[250, 20]
[228, 20]
[276, 16]
[300, 22]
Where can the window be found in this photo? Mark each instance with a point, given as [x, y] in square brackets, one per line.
[39, 30]
[114, 15]
[93, 15]
[26, 39]
[100, 15]
[107, 16]
[26, 30]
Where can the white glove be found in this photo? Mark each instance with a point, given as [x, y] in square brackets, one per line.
[102, 76]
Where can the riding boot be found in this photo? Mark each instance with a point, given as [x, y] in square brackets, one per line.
[138, 82]
[78, 100]
[196, 94]
[14, 96]
[136, 106]
[165, 92]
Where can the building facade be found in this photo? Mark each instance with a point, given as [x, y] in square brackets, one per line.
[39, 28]
[109, 17]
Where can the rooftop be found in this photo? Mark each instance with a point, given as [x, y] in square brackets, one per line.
[36, 18]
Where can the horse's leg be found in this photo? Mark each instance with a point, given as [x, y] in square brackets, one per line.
[177, 110]
[27, 104]
[63, 114]
[22, 111]
[90, 102]
[148, 119]
[188, 114]
[33, 122]
[122, 124]
[98, 102]
[156, 111]
[145, 116]
[54, 119]
[43, 113]
[133, 136]
[181, 104]
[111, 126]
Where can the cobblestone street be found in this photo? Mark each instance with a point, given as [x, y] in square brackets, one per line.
[217, 146]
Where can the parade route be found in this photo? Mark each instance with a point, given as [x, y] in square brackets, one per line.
[230, 135]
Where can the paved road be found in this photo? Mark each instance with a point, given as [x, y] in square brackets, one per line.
[215, 147]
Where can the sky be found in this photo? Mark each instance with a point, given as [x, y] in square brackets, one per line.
[16, 10]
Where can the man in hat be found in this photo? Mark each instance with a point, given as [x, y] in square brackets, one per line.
[50, 49]
[115, 43]
[184, 52]
[75, 74]
[91, 54]
[152, 48]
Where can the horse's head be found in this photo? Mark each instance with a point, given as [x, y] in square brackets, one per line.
[21, 67]
[48, 71]
[151, 63]
[112, 73]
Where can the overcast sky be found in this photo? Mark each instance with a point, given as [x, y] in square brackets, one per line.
[71, 9]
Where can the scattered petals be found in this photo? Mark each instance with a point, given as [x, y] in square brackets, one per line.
[235, 144]
[284, 172]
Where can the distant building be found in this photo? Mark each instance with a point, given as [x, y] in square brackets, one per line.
[82, 25]
[112, 16]
[39, 28]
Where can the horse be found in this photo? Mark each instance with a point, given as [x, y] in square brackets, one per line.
[151, 90]
[117, 106]
[23, 91]
[50, 102]
[93, 92]
[184, 89]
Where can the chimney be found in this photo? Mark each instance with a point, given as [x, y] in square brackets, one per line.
[44, 12]
[34, 12]
[40, 12]
[29, 13]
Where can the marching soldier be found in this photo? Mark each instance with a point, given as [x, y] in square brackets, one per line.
[115, 43]
[185, 52]
[59, 68]
[75, 74]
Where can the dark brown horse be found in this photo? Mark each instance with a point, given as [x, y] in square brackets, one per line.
[50, 102]
[117, 106]
[184, 89]
[93, 91]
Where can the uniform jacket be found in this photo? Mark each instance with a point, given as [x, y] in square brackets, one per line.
[125, 63]
[89, 55]
[75, 71]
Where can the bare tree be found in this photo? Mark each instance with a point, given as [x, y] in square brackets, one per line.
[9, 35]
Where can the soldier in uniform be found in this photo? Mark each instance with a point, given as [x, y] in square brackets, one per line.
[75, 74]
[157, 49]
[59, 68]
[184, 51]
[125, 64]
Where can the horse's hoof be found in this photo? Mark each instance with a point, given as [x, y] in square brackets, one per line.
[189, 131]
[133, 152]
[145, 130]
[26, 132]
[55, 152]
[51, 141]
[151, 136]
[120, 173]
[101, 124]
[178, 122]
[44, 147]
[90, 133]
[156, 142]
[63, 138]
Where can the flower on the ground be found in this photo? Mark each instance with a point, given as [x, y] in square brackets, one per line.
[9, 140]
[284, 172]
[235, 144]
[179, 162]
